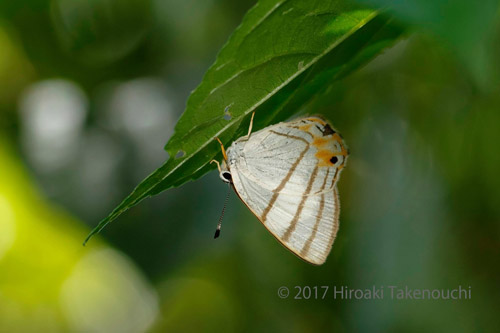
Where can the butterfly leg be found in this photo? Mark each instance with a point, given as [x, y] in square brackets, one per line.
[218, 165]
[250, 127]
[223, 150]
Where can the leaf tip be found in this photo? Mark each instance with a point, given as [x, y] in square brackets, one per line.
[96, 230]
[89, 236]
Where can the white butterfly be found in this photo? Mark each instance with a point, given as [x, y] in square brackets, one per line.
[286, 174]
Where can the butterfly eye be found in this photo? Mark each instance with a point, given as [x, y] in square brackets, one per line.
[226, 176]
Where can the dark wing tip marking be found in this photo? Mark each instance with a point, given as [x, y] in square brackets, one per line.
[327, 130]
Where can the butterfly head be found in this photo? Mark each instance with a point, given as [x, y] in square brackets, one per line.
[225, 174]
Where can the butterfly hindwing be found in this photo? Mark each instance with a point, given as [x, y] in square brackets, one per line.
[307, 226]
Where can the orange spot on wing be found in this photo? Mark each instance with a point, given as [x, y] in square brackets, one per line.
[325, 144]
[305, 128]
[325, 152]
[324, 157]
[319, 141]
[338, 138]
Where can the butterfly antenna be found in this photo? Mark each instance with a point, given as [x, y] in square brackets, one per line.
[250, 127]
[217, 231]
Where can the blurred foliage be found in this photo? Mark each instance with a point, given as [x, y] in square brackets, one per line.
[463, 25]
[100, 32]
[84, 114]
[14, 69]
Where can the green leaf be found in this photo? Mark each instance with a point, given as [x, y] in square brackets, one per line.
[281, 56]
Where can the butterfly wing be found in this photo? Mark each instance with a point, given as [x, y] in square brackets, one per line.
[307, 225]
[286, 175]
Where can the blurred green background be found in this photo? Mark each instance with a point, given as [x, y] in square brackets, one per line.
[89, 94]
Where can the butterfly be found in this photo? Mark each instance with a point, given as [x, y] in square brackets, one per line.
[287, 174]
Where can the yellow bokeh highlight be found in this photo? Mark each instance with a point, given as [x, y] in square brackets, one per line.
[48, 280]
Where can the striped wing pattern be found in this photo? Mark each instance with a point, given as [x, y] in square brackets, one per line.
[286, 174]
